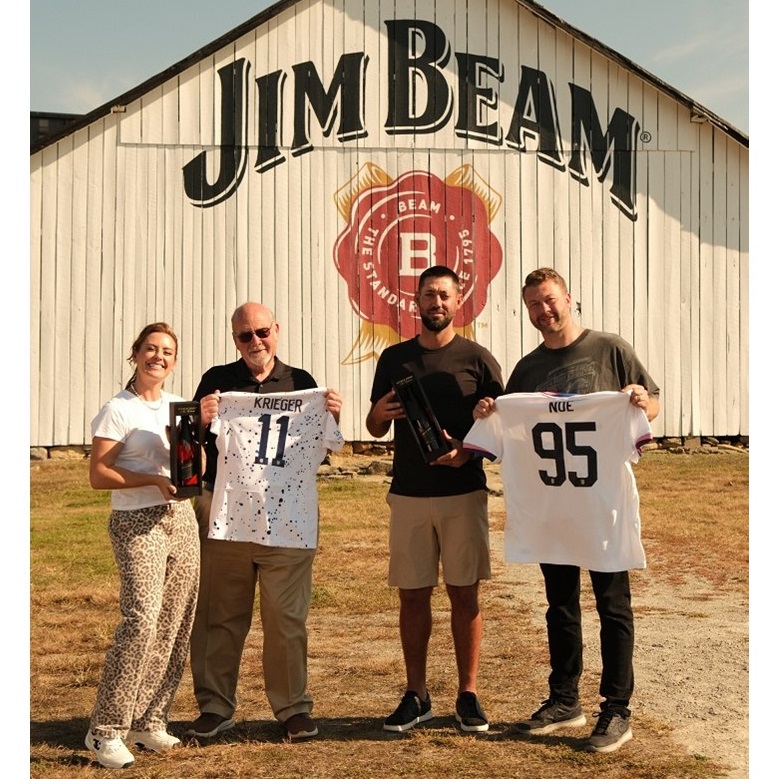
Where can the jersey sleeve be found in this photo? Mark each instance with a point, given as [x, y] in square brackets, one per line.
[216, 423]
[230, 405]
[485, 437]
[640, 431]
[334, 440]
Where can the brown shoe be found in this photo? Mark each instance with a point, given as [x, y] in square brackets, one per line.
[300, 726]
[208, 724]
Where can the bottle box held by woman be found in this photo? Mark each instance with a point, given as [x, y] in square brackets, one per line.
[185, 450]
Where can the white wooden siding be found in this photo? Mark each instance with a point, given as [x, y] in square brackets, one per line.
[116, 244]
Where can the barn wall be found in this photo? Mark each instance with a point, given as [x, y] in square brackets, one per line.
[116, 242]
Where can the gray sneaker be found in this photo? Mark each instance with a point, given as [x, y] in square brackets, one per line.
[552, 716]
[611, 731]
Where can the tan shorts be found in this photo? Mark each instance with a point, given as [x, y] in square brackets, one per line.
[453, 529]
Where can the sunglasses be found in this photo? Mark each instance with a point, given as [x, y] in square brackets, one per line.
[246, 338]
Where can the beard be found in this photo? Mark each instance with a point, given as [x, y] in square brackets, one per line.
[258, 362]
[436, 325]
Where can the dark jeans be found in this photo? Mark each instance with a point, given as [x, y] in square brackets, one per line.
[564, 630]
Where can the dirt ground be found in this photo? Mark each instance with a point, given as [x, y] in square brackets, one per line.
[691, 658]
[691, 661]
[692, 651]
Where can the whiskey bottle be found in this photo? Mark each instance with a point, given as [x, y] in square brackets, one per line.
[185, 454]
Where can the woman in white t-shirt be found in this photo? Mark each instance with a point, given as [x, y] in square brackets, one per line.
[155, 541]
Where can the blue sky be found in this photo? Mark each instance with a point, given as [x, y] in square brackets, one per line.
[83, 53]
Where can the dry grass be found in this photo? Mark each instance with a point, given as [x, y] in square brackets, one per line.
[695, 516]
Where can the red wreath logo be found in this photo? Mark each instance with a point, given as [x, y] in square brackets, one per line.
[398, 228]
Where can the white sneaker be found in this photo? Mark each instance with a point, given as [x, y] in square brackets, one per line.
[155, 740]
[109, 752]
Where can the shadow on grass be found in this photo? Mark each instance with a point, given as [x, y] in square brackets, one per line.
[69, 734]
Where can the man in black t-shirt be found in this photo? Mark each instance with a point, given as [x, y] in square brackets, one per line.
[438, 512]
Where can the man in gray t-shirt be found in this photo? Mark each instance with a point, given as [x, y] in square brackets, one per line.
[574, 360]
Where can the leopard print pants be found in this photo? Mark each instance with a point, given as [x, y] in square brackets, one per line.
[158, 556]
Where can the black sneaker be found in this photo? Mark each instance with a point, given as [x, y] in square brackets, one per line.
[611, 731]
[470, 714]
[552, 716]
[411, 711]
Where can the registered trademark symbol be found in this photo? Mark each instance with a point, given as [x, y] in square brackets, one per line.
[645, 137]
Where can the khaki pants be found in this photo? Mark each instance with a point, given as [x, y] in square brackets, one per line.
[229, 572]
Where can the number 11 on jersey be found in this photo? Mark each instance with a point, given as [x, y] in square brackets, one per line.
[282, 423]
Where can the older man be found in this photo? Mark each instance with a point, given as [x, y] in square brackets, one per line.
[230, 569]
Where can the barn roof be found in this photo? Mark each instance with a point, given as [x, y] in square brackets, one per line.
[698, 111]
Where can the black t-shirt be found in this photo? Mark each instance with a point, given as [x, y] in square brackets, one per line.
[454, 378]
[594, 362]
[236, 377]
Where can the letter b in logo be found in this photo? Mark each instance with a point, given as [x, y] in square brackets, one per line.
[417, 252]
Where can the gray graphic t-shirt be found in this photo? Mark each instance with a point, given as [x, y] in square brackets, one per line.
[594, 362]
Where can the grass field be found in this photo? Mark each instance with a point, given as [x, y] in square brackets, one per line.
[356, 670]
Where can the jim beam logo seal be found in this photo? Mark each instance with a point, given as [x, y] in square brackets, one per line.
[395, 229]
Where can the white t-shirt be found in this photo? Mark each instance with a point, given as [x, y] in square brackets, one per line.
[141, 428]
[270, 447]
[571, 496]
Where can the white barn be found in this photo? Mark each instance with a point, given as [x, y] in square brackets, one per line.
[319, 156]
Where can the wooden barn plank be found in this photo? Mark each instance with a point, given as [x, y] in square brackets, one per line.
[733, 301]
[152, 120]
[73, 321]
[655, 356]
[670, 215]
[707, 307]
[720, 287]
[58, 368]
[112, 227]
[744, 287]
[695, 288]
[684, 313]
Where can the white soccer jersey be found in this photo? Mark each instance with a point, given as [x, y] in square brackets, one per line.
[571, 497]
[270, 447]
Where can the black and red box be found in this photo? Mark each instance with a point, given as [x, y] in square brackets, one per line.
[186, 454]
